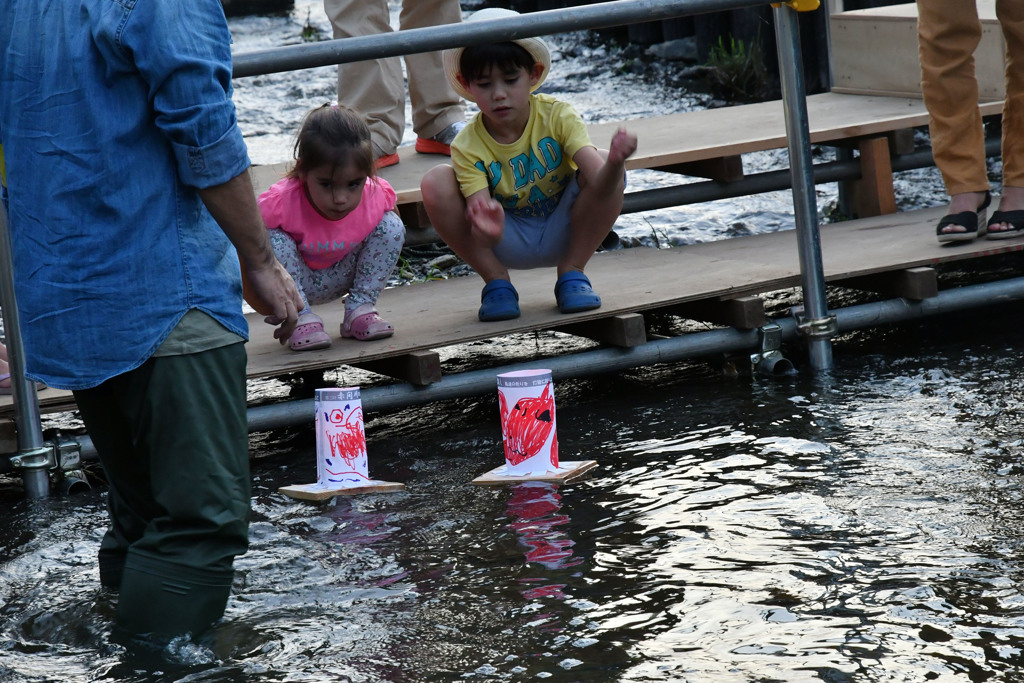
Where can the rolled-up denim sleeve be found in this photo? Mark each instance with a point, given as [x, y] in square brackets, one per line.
[182, 48]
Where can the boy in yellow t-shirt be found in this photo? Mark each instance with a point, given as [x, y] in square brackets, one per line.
[528, 188]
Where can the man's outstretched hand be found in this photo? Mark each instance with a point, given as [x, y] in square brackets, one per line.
[271, 291]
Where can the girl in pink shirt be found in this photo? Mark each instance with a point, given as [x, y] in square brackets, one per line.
[334, 226]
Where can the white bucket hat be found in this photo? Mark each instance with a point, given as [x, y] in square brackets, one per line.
[537, 48]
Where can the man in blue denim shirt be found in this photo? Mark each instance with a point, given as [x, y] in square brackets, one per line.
[130, 206]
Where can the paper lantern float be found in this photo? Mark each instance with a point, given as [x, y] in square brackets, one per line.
[526, 399]
[341, 458]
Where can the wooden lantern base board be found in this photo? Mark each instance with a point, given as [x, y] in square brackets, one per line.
[318, 492]
[567, 471]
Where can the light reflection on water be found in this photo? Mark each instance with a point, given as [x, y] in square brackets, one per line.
[863, 526]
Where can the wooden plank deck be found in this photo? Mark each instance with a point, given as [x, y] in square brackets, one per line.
[686, 141]
[434, 315]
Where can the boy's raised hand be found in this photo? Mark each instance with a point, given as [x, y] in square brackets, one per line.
[486, 219]
[622, 147]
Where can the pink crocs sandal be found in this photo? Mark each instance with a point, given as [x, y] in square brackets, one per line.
[365, 325]
[309, 334]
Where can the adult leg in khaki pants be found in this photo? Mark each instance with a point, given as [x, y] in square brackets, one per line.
[1009, 220]
[376, 88]
[949, 32]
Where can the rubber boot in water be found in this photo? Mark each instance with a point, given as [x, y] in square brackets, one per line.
[111, 568]
[167, 600]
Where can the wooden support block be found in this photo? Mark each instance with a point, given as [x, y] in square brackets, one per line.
[414, 215]
[317, 492]
[416, 367]
[567, 472]
[912, 283]
[902, 141]
[745, 312]
[624, 330]
[8, 437]
[873, 194]
[417, 236]
[418, 229]
[726, 169]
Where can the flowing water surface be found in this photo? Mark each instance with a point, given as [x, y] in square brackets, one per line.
[864, 526]
[861, 526]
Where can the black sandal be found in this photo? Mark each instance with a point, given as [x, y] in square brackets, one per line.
[1015, 219]
[973, 223]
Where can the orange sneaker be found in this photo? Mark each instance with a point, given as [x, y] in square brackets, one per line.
[442, 142]
[430, 146]
[385, 161]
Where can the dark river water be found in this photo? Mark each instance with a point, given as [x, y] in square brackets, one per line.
[864, 525]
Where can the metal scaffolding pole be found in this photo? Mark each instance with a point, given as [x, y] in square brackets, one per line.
[816, 325]
[34, 457]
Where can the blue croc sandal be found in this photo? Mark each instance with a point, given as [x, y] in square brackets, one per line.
[574, 293]
[498, 301]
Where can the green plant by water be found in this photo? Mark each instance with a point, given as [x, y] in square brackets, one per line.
[737, 70]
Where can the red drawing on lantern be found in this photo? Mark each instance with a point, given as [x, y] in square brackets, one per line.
[345, 439]
[527, 426]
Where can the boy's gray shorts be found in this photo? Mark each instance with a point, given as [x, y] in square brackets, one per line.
[538, 242]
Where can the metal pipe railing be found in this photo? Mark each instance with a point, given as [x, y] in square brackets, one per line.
[431, 38]
[756, 183]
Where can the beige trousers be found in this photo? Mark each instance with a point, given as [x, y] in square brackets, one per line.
[948, 33]
[376, 88]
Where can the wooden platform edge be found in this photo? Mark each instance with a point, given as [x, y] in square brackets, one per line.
[573, 471]
[315, 492]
